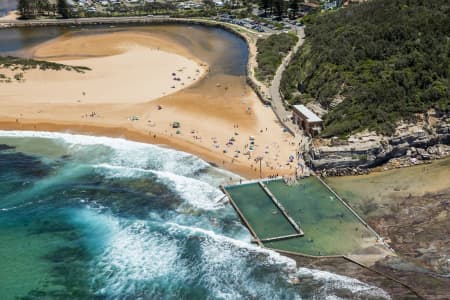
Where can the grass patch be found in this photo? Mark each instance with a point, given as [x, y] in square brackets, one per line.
[24, 64]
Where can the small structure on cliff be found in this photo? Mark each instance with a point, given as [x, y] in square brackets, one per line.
[306, 120]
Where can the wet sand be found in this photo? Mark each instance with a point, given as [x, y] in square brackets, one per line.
[216, 109]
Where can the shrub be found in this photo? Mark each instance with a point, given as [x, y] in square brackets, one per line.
[387, 59]
[271, 52]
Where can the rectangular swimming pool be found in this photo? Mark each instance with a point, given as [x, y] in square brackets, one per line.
[260, 212]
[329, 227]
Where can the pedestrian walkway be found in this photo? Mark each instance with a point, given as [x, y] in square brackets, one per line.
[278, 106]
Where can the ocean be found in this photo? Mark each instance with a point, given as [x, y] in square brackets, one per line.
[85, 217]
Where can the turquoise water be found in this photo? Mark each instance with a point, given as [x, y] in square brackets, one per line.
[86, 217]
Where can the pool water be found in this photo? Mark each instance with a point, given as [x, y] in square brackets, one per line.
[329, 227]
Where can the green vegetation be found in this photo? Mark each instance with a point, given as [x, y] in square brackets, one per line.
[271, 52]
[280, 7]
[63, 8]
[31, 9]
[23, 64]
[388, 59]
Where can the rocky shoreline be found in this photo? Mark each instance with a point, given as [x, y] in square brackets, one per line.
[412, 144]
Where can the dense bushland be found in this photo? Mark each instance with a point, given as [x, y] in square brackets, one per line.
[388, 60]
[271, 52]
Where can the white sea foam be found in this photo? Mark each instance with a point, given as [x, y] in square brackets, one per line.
[132, 252]
[125, 152]
[148, 257]
[272, 256]
[333, 281]
[143, 255]
[137, 253]
[197, 193]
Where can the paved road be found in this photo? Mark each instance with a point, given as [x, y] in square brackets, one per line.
[277, 99]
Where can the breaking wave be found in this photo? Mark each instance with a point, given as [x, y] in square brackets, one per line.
[199, 250]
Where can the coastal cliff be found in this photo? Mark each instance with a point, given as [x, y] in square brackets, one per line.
[411, 144]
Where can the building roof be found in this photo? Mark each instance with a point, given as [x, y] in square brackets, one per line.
[311, 117]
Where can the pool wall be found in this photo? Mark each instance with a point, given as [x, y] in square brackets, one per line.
[325, 225]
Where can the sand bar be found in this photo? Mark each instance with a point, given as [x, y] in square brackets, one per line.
[219, 114]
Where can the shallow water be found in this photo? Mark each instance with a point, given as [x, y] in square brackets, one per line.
[330, 228]
[87, 217]
[225, 54]
[259, 210]
[375, 194]
[221, 50]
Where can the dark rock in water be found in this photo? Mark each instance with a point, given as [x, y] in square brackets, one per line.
[26, 166]
[213, 164]
[343, 171]
[6, 147]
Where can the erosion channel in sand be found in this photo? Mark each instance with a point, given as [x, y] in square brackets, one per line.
[143, 80]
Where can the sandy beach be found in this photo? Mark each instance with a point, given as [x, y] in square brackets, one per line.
[11, 16]
[121, 71]
[140, 84]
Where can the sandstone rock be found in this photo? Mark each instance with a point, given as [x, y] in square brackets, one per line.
[365, 151]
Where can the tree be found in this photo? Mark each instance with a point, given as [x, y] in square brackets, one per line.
[43, 7]
[265, 4]
[63, 8]
[293, 5]
[209, 3]
[383, 71]
[278, 6]
[27, 9]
